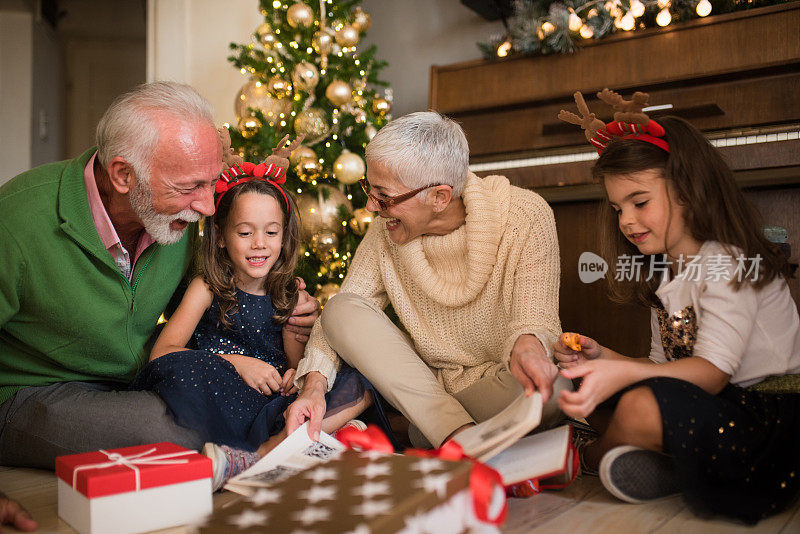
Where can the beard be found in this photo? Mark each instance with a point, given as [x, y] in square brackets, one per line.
[158, 224]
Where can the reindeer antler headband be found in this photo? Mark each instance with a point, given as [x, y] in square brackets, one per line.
[243, 171]
[629, 121]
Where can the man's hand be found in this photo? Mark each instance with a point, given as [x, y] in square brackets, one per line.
[256, 373]
[309, 406]
[303, 315]
[531, 367]
[12, 513]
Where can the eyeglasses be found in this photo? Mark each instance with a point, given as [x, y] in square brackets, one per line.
[387, 201]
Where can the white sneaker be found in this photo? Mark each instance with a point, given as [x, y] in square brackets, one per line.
[227, 462]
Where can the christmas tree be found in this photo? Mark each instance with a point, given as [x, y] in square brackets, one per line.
[306, 77]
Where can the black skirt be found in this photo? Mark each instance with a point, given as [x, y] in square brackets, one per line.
[736, 453]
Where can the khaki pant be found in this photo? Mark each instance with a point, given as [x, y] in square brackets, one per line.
[366, 338]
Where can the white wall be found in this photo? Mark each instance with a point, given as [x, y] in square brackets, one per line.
[412, 35]
[188, 41]
[16, 67]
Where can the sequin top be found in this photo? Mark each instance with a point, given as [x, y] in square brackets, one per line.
[749, 333]
[253, 332]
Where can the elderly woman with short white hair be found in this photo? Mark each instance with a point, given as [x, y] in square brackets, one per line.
[470, 266]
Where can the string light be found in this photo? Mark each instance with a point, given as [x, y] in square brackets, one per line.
[703, 8]
[586, 32]
[663, 18]
[637, 8]
[504, 49]
[627, 22]
[575, 21]
[548, 28]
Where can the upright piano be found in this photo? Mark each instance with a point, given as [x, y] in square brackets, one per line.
[735, 76]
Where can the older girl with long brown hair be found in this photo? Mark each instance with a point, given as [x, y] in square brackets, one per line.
[710, 414]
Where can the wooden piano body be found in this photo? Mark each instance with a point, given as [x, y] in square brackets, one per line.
[734, 76]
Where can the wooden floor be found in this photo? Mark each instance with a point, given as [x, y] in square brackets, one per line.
[583, 507]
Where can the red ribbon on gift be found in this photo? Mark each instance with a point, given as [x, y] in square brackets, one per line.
[482, 481]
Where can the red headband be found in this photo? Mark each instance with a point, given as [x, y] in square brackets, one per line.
[651, 133]
[239, 174]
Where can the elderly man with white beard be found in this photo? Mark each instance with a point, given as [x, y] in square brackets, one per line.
[91, 251]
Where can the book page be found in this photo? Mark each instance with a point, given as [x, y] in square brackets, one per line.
[486, 439]
[294, 454]
[533, 456]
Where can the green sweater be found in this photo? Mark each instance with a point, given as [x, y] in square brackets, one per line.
[66, 310]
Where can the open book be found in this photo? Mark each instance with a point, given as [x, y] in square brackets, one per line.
[488, 438]
[294, 454]
[497, 443]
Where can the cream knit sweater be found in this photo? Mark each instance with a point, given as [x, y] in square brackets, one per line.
[464, 297]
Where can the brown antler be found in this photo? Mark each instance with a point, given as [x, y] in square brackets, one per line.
[229, 158]
[626, 110]
[281, 152]
[588, 121]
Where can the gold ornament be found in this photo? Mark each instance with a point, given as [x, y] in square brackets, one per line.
[348, 167]
[312, 123]
[262, 30]
[278, 87]
[381, 106]
[361, 19]
[305, 76]
[255, 95]
[308, 169]
[300, 153]
[338, 92]
[324, 245]
[320, 211]
[322, 41]
[370, 130]
[361, 220]
[347, 36]
[249, 126]
[326, 292]
[300, 14]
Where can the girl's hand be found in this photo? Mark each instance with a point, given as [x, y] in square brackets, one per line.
[256, 373]
[601, 379]
[566, 357]
[287, 384]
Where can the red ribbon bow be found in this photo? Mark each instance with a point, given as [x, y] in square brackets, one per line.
[239, 174]
[482, 480]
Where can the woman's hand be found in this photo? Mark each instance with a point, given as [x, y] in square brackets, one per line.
[304, 315]
[531, 367]
[287, 383]
[567, 357]
[309, 406]
[601, 379]
[256, 373]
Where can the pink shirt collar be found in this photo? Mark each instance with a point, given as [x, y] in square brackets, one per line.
[105, 228]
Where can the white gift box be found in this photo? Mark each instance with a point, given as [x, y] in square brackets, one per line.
[134, 489]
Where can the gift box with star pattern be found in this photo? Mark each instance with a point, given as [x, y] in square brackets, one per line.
[362, 492]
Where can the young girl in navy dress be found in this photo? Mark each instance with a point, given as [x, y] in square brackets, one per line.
[711, 413]
[235, 387]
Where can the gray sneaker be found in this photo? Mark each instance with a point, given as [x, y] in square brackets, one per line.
[638, 475]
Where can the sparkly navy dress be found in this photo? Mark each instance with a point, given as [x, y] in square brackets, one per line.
[204, 392]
